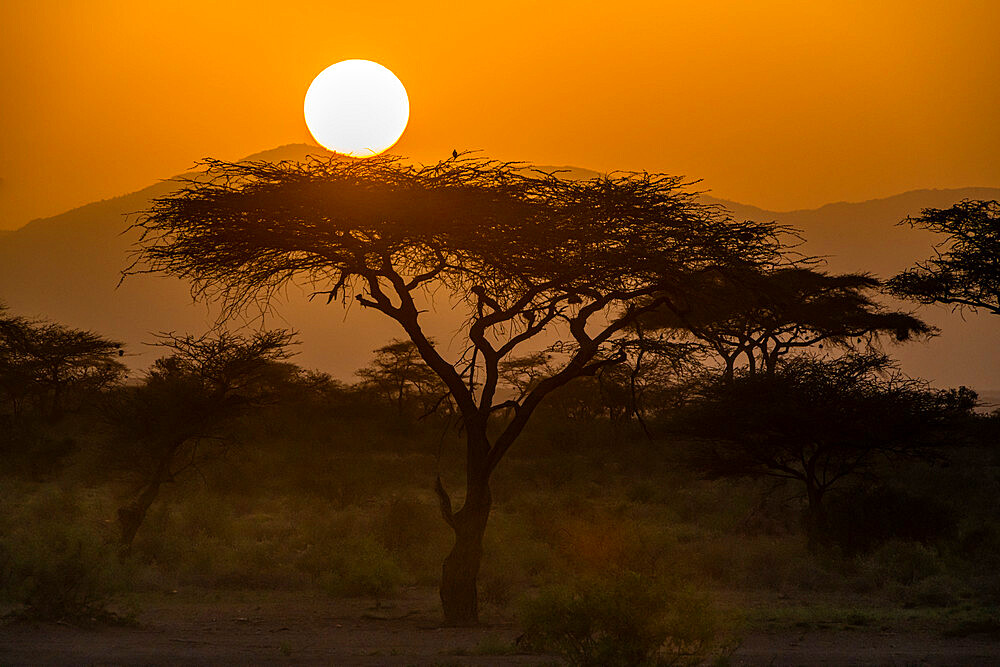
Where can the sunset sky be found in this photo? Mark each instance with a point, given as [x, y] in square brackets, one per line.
[780, 104]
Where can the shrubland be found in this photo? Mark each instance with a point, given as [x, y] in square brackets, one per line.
[329, 488]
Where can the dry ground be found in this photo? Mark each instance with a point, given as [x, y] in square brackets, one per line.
[263, 628]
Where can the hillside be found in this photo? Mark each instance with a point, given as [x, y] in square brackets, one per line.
[67, 268]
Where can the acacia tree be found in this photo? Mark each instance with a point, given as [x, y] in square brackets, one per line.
[42, 363]
[818, 423]
[177, 419]
[965, 272]
[399, 374]
[765, 315]
[521, 251]
[648, 369]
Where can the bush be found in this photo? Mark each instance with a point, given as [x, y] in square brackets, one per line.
[361, 567]
[861, 521]
[60, 572]
[939, 590]
[626, 620]
[902, 563]
[415, 535]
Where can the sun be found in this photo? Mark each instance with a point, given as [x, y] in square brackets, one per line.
[357, 108]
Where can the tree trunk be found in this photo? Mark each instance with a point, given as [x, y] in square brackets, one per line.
[460, 571]
[727, 375]
[131, 516]
[771, 360]
[817, 534]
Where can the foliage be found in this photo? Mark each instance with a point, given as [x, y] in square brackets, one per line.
[43, 365]
[861, 519]
[203, 383]
[519, 251]
[903, 562]
[965, 271]
[53, 564]
[400, 377]
[361, 568]
[177, 419]
[819, 422]
[625, 620]
[762, 316]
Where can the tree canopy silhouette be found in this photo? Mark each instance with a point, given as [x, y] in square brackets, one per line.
[965, 270]
[399, 375]
[170, 423]
[523, 252]
[766, 314]
[818, 423]
[43, 363]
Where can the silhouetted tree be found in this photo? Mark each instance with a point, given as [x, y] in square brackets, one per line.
[620, 392]
[179, 416]
[765, 315]
[42, 363]
[400, 376]
[818, 422]
[520, 251]
[966, 269]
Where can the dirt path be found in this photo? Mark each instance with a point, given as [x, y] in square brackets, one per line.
[259, 628]
[256, 628]
[864, 648]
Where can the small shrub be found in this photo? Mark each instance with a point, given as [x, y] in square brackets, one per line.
[627, 620]
[935, 591]
[362, 567]
[414, 533]
[60, 572]
[981, 546]
[861, 521]
[904, 562]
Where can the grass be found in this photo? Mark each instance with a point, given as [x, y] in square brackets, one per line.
[347, 509]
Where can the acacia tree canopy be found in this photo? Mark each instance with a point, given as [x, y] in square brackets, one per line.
[965, 270]
[522, 251]
[41, 363]
[166, 425]
[818, 422]
[400, 376]
[769, 313]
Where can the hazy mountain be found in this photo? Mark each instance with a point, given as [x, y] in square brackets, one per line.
[67, 268]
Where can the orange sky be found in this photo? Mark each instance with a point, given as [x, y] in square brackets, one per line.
[781, 104]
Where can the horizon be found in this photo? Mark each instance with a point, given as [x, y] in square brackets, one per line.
[706, 192]
[779, 106]
[841, 232]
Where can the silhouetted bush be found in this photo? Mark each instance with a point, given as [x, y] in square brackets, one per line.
[981, 546]
[361, 567]
[860, 521]
[624, 620]
[902, 562]
[939, 590]
[60, 571]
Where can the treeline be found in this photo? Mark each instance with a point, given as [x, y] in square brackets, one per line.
[693, 348]
[816, 419]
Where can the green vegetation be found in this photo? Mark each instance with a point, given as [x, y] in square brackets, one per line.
[328, 489]
[656, 495]
[621, 619]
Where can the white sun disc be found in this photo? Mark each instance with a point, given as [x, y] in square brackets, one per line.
[356, 107]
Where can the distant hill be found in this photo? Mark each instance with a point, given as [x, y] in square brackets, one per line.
[66, 268]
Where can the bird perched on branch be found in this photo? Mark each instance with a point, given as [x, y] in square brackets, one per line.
[454, 153]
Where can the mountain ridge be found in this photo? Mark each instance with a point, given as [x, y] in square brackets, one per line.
[299, 151]
[67, 268]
